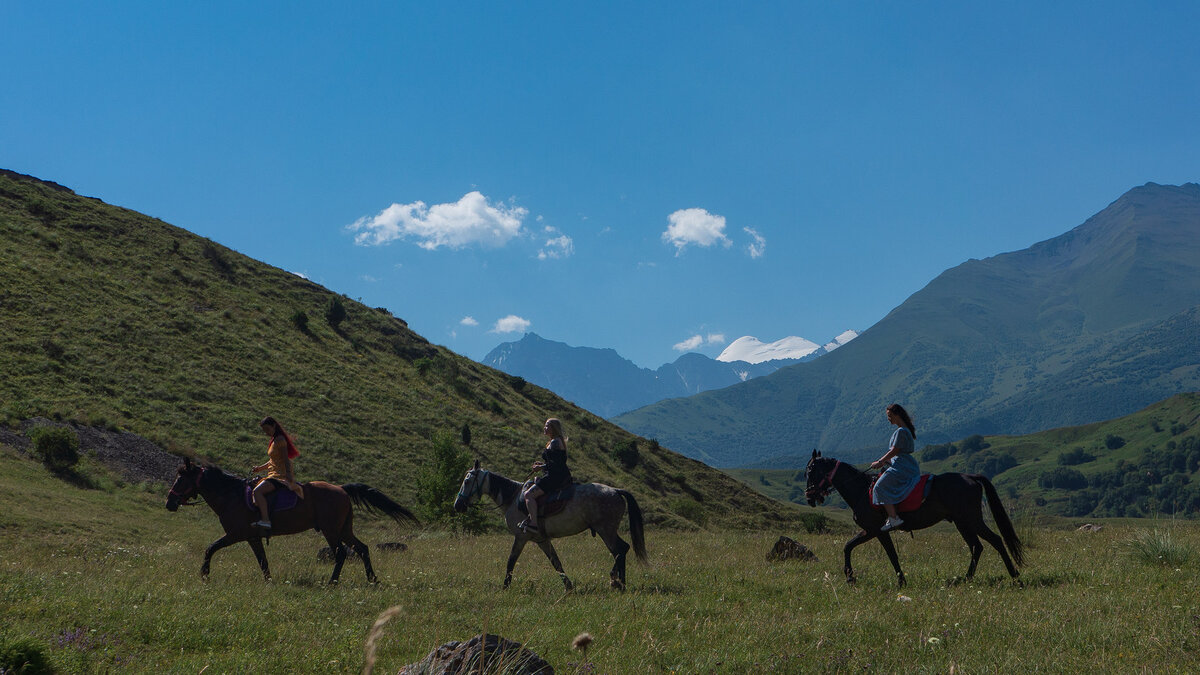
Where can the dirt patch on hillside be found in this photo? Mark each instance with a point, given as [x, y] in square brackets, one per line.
[132, 457]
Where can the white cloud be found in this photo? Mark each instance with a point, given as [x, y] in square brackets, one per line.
[757, 247]
[558, 247]
[470, 220]
[368, 278]
[695, 226]
[689, 344]
[716, 339]
[511, 324]
[468, 321]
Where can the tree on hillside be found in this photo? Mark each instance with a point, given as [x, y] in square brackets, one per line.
[438, 482]
[335, 312]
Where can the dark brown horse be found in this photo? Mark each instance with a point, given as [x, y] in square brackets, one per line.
[325, 508]
[955, 497]
[594, 507]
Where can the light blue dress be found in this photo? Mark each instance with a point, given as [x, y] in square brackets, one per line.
[901, 477]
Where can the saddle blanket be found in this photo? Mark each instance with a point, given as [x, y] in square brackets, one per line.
[552, 503]
[281, 499]
[914, 499]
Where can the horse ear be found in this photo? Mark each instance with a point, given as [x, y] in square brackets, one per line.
[187, 462]
[476, 465]
[815, 453]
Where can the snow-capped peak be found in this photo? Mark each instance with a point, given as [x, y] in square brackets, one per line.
[752, 350]
[841, 340]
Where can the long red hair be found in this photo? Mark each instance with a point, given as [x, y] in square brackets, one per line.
[292, 451]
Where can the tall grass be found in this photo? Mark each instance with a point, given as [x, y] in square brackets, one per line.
[1159, 546]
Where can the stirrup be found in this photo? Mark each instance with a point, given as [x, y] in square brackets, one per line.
[528, 527]
[891, 524]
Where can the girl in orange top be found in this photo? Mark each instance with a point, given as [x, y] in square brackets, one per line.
[280, 452]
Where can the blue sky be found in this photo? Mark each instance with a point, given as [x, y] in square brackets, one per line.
[625, 175]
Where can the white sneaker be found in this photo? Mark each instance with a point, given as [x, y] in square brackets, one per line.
[891, 524]
[264, 524]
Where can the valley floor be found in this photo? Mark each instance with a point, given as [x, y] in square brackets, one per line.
[108, 579]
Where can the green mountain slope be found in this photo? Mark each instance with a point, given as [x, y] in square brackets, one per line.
[1087, 326]
[1138, 465]
[112, 318]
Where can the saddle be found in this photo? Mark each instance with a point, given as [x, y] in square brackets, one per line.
[550, 503]
[914, 499]
[282, 499]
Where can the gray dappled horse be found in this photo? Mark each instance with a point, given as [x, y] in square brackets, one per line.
[596, 507]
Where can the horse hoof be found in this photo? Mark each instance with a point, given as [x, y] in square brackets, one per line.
[617, 584]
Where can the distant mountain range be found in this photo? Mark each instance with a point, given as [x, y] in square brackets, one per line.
[604, 382]
[1090, 325]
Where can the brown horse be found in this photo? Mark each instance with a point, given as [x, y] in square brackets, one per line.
[594, 507]
[956, 497]
[325, 508]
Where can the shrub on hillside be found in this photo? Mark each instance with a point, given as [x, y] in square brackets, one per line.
[689, 509]
[990, 462]
[941, 451]
[1062, 478]
[1112, 442]
[335, 312]
[57, 447]
[300, 320]
[1076, 456]
[973, 444]
[626, 452]
[815, 523]
[25, 656]
[438, 482]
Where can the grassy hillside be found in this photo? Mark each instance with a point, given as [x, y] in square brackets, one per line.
[115, 319]
[1143, 464]
[107, 580]
[1090, 325]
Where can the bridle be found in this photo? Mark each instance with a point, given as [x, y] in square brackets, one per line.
[825, 486]
[183, 499]
[478, 490]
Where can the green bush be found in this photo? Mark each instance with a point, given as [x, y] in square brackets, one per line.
[1112, 442]
[1062, 478]
[626, 452]
[335, 312]
[690, 509]
[58, 447]
[1076, 456]
[25, 656]
[300, 320]
[815, 523]
[438, 482]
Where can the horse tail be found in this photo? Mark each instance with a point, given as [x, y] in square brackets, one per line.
[1015, 547]
[375, 501]
[637, 529]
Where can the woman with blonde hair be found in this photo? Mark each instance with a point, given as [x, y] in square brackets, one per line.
[555, 473]
[281, 450]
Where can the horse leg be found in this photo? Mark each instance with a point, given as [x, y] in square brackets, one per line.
[257, 546]
[363, 552]
[548, 549]
[618, 547]
[859, 538]
[998, 544]
[339, 557]
[968, 532]
[213, 548]
[885, 540]
[518, 544]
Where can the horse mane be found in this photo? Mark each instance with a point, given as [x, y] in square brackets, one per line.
[502, 489]
[218, 479]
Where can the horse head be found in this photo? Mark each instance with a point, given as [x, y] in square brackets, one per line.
[471, 488]
[187, 485]
[820, 472]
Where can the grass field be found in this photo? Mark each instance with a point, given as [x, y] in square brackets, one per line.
[108, 580]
